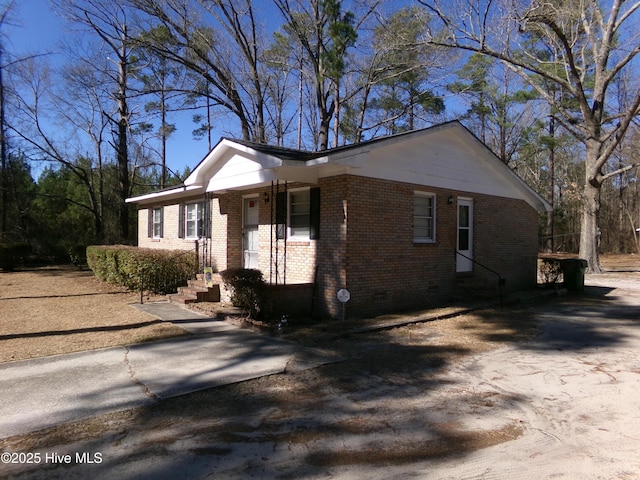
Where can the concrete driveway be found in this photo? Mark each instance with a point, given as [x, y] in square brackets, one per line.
[575, 390]
[48, 391]
[571, 395]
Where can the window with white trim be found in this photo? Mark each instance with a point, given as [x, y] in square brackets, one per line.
[424, 217]
[194, 220]
[157, 222]
[299, 213]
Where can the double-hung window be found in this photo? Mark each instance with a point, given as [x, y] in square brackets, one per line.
[298, 214]
[424, 217]
[155, 223]
[192, 221]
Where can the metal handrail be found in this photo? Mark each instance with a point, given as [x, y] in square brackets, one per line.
[501, 280]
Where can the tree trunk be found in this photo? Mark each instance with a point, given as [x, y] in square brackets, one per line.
[323, 134]
[590, 231]
[550, 244]
[123, 179]
[3, 161]
[122, 152]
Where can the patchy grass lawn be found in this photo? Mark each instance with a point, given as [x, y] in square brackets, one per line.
[55, 310]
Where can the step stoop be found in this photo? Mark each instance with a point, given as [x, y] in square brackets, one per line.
[196, 291]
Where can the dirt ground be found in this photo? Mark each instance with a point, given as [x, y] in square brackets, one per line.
[61, 309]
[378, 388]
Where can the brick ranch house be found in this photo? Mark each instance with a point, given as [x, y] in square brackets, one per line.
[398, 221]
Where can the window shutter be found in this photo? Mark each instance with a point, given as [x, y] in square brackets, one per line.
[281, 214]
[181, 221]
[150, 223]
[314, 214]
[161, 222]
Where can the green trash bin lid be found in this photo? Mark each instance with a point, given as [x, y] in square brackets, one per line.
[574, 264]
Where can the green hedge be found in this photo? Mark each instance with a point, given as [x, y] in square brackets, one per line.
[153, 270]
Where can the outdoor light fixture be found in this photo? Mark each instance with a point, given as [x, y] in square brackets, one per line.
[450, 200]
[265, 197]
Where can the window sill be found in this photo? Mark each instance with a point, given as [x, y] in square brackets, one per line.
[298, 242]
[424, 242]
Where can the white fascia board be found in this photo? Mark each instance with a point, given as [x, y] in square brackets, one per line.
[165, 194]
[197, 176]
[352, 158]
[222, 153]
[317, 161]
[527, 193]
[261, 177]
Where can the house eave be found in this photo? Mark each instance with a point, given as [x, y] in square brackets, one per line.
[241, 166]
[262, 177]
[165, 195]
[221, 153]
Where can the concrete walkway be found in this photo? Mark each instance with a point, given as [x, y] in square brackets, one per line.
[48, 391]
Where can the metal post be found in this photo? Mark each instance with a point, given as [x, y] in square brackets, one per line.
[141, 286]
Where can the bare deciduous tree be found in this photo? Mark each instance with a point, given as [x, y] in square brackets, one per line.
[324, 33]
[221, 43]
[581, 46]
[109, 21]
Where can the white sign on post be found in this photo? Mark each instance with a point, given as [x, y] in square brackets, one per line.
[343, 295]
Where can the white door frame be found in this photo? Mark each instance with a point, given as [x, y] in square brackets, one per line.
[250, 229]
[464, 235]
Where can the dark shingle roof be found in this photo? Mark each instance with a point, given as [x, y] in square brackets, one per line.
[280, 152]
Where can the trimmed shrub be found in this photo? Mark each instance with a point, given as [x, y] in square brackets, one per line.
[550, 271]
[12, 255]
[153, 270]
[248, 290]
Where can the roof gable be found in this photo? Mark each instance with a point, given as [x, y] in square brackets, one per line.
[448, 157]
[443, 156]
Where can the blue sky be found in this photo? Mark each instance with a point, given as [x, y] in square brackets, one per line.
[34, 28]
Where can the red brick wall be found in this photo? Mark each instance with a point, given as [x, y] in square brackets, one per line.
[387, 271]
[219, 235]
[506, 240]
[327, 254]
[170, 239]
[231, 208]
[332, 247]
[371, 252]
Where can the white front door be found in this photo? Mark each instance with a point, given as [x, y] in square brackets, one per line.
[464, 244]
[250, 233]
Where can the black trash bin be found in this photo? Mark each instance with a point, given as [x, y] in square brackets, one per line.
[573, 272]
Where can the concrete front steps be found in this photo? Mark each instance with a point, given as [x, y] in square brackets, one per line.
[197, 291]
